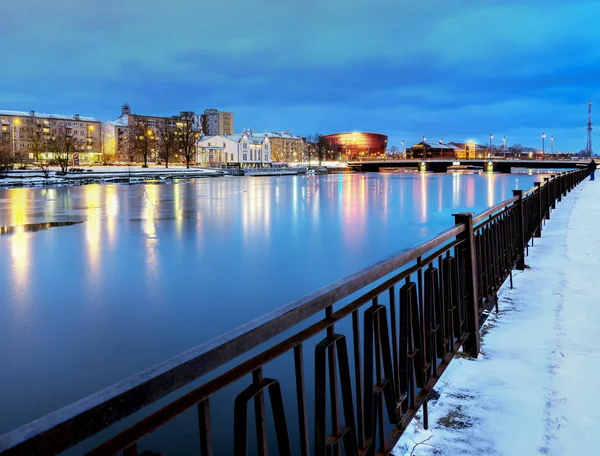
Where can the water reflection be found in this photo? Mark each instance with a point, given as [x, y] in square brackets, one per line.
[171, 266]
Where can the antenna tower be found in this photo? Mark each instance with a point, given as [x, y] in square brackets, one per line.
[588, 147]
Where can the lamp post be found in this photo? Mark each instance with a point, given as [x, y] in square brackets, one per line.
[14, 135]
[543, 143]
[552, 143]
[490, 149]
[402, 148]
[424, 148]
[504, 141]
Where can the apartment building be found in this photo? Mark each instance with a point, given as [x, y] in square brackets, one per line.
[216, 122]
[29, 133]
[285, 147]
[241, 150]
[131, 136]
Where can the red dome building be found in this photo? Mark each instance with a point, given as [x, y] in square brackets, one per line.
[355, 145]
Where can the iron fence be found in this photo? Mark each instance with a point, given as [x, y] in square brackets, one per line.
[384, 336]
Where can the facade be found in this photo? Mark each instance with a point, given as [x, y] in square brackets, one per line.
[355, 145]
[216, 122]
[242, 150]
[285, 147]
[29, 133]
[431, 150]
[128, 137]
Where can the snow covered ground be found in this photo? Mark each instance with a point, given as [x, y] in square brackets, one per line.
[534, 388]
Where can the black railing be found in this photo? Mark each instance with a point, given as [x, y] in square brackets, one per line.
[384, 337]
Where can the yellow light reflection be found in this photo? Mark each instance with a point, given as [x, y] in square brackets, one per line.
[150, 213]
[20, 255]
[92, 198]
[112, 213]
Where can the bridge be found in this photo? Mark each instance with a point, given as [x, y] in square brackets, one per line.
[442, 166]
[356, 359]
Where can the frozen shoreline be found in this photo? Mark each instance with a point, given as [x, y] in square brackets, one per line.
[527, 393]
[101, 174]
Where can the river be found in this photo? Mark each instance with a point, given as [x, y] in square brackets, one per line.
[153, 270]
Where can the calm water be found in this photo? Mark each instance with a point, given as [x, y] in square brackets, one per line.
[153, 270]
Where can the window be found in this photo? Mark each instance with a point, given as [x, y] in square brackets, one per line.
[231, 157]
[245, 157]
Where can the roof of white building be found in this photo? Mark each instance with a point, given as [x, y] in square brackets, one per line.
[45, 115]
[238, 137]
[276, 134]
[118, 122]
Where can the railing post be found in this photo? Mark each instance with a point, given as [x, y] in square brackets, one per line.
[553, 187]
[471, 346]
[548, 204]
[521, 230]
[538, 189]
[559, 190]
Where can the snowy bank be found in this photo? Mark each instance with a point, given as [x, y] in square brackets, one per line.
[533, 389]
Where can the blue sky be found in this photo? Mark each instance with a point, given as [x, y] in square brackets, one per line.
[454, 70]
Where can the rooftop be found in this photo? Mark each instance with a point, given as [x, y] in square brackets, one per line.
[46, 116]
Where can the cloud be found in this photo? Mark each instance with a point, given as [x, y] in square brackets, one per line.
[401, 67]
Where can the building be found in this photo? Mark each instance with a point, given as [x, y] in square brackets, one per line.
[217, 123]
[431, 150]
[29, 135]
[131, 136]
[285, 147]
[237, 151]
[355, 145]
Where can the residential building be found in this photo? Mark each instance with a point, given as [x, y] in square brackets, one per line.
[285, 147]
[241, 150]
[216, 122]
[430, 149]
[131, 136]
[29, 134]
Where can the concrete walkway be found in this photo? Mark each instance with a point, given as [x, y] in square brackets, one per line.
[534, 388]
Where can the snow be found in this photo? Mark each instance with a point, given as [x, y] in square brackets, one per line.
[42, 115]
[33, 177]
[532, 391]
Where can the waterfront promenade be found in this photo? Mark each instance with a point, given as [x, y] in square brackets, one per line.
[533, 388]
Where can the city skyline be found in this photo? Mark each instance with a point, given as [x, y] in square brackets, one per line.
[515, 69]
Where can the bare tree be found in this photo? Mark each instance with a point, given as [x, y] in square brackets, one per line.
[320, 146]
[168, 142]
[189, 133]
[64, 145]
[139, 140]
[109, 145]
[38, 138]
[6, 157]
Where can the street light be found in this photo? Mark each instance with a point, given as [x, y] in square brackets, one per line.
[504, 140]
[490, 149]
[552, 143]
[14, 135]
[543, 143]
[402, 149]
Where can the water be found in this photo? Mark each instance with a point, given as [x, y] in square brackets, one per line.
[153, 270]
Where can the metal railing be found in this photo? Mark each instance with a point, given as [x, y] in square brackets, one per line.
[384, 336]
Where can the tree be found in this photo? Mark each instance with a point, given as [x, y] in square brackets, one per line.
[168, 142]
[139, 140]
[320, 146]
[6, 157]
[109, 146]
[189, 133]
[64, 145]
[37, 138]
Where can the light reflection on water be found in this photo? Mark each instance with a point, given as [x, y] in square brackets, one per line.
[156, 269]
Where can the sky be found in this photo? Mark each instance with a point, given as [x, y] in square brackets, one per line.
[451, 70]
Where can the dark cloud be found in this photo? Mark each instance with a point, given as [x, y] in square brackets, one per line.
[404, 68]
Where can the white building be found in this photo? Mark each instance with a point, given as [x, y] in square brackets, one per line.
[241, 150]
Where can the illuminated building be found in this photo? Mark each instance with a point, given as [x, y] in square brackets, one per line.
[431, 149]
[24, 129]
[285, 147]
[351, 146]
[241, 150]
[216, 122]
[127, 138]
